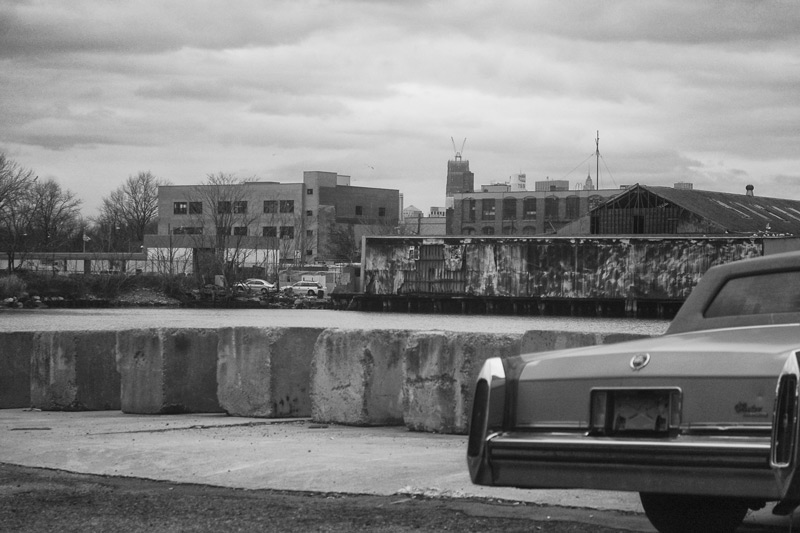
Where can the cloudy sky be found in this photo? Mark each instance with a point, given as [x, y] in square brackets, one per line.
[680, 90]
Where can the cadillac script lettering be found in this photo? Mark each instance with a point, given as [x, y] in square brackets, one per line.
[745, 409]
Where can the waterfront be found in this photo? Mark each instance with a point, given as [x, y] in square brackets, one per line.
[137, 318]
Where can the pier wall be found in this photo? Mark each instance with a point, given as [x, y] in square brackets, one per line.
[421, 379]
[598, 275]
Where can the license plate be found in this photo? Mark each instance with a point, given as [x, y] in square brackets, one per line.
[635, 411]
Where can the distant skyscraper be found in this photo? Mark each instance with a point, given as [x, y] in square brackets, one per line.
[459, 178]
[588, 185]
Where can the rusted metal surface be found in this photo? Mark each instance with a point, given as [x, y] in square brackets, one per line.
[572, 268]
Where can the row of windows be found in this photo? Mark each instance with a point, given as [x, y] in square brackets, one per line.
[488, 208]
[284, 232]
[238, 207]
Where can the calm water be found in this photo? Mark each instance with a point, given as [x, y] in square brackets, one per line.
[134, 318]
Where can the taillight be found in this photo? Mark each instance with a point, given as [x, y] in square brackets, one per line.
[487, 418]
[784, 425]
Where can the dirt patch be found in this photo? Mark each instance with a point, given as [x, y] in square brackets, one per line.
[39, 500]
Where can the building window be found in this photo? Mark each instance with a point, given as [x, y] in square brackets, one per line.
[309, 252]
[195, 208]
[309, 191]
[529, 230]
[309, 213]
[488, 209]
[488, 230]
[309, 233]
[551, 207]
[573, 207]
[287, 206]
[240, 230]
[287, 232]
[223, 207]
[270, 206]
[240, 207]
[468, 231]
[509, 230]
[180, 208]
[381, 211]
[223, 230]
[469, 210]
[269, 231]
[359, 211]
[509, 208]
[529, 208]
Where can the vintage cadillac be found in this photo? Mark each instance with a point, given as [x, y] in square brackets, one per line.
[702, 421]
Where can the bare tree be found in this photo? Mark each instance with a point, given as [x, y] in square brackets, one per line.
[342, 244]
[16, 184]
[55, 217]
[221, 219]
[131, 210]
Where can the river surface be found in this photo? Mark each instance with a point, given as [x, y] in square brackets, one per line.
[136, 318]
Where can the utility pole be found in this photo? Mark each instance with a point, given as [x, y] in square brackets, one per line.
[597, 157]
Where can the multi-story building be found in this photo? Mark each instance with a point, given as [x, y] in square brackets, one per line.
[270, 223]
[503, 209]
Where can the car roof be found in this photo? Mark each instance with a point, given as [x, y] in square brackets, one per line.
[691, 316]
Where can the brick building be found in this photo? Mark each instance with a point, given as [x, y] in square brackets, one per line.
[270, 223]
[499, 210]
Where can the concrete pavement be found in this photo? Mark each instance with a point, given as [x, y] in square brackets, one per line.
[281, 454]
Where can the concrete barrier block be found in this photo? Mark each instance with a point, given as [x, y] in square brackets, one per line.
[74, 371]
[441, 369]
[168, 371]
[16, 350]
[291, 354]
[265, 372]
[545, 341]
[140, 355]
[357, 377]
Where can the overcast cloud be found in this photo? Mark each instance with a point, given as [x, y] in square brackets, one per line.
[705, 92]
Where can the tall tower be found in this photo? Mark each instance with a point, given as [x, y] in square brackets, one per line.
[459, 178]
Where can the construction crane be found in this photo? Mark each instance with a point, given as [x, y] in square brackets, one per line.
[458, 152]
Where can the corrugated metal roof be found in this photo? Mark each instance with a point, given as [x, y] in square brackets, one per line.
[737, 213]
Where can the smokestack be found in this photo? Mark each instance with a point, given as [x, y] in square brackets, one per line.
[749, 190]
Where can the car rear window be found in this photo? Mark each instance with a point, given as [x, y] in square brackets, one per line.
[776, 292]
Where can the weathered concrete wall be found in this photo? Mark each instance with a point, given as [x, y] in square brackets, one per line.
[422, 379]
[15, 369]
[357, 377]
[74, 371]
[168, 371]
[265, 372]
[441, 369]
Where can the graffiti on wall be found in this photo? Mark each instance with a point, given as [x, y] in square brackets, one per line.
[548, 268]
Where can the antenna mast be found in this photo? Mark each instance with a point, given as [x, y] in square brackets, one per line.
[597, 157]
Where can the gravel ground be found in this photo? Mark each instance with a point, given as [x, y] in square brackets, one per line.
[39, 500]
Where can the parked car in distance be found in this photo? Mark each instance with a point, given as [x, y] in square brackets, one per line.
[305, 288]
[254, 284]
[702, 421]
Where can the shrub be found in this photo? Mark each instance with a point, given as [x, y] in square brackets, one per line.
[12, 286]
[48, 285]
[108, 285]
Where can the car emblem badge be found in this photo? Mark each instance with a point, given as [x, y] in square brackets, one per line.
[640, 360]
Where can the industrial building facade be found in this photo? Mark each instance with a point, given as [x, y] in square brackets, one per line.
[270, 223]
[646, 210]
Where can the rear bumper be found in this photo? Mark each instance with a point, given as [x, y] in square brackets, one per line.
[731, 466]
